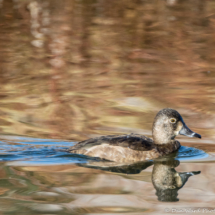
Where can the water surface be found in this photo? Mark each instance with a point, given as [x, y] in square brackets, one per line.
[72, 70]
[39, 176]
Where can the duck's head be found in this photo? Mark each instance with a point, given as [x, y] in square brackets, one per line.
[168, 124]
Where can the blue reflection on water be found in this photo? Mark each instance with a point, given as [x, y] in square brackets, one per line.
[34, 151]
[190, 153]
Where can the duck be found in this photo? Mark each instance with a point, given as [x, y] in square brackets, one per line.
[131, 148]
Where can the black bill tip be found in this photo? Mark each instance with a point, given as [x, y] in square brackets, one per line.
[196, 135]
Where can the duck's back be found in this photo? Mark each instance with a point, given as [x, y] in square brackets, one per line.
[119, 148]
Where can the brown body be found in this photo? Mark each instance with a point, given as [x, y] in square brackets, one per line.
[167, 125]
[124, 148]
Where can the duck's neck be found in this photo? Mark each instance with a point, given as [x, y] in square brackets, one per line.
[161, 134]
[165, 149]
[162, 138]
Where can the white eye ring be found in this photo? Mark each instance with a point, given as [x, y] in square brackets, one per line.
[172, 120]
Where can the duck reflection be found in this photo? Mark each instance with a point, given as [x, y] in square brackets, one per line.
[165, 179]
[109, 166]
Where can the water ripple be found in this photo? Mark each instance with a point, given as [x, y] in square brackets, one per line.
[34, 151]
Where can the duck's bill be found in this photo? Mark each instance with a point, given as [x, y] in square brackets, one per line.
[187, 132]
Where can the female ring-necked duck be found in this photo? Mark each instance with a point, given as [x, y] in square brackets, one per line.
[168, 123]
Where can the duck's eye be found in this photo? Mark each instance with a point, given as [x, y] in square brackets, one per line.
[172, 120]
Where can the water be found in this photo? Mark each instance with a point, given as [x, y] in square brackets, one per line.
[72, 70]
[37, 176]
[35, 151]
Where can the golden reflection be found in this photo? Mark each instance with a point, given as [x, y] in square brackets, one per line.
[76, 69]
[94, 187]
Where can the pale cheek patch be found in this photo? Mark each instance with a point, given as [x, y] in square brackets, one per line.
[179, 127]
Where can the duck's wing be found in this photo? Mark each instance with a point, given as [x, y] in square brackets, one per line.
[132, 141]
